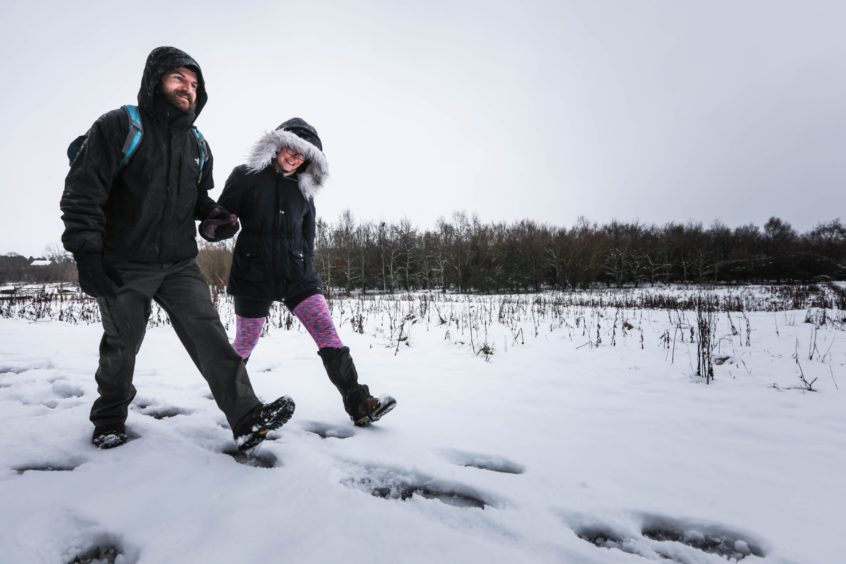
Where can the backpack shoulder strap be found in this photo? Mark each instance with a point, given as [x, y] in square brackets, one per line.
[204, 151]
[133, 138]
[75, 147]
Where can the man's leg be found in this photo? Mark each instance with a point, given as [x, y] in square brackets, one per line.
[184, 295]
[124, 324]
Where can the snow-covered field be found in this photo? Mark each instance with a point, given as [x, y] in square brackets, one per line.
[525, 432]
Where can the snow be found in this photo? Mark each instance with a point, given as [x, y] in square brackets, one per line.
[552, 448]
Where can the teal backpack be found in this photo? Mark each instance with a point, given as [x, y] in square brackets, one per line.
[133, 140]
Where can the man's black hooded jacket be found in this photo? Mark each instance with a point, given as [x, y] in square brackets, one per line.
[145, 212]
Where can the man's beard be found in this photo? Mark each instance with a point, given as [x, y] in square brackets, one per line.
[175, 100]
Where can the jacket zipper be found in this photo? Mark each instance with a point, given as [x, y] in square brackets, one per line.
[277, 233]
[163, 219]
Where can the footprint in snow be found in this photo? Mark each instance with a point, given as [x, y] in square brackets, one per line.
[58, 466]
[67, 391]
[164, 412]
[107, 554]
[325, 431]
[74, 539]
[48, 393]
[159, 411]
[674, 540]
[257, 458]
[607, 538]
[491, 462]
[39, 365]
[13, 369]
[63, 391]
[392, 483]
[211, 439]
[711, 539]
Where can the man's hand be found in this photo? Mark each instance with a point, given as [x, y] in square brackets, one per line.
[219, 225]
[93, 278]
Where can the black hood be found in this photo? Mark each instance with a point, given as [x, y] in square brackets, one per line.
[161, 60]
[302, 129]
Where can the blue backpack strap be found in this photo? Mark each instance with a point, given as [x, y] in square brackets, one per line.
[204, 151]
[133, 138]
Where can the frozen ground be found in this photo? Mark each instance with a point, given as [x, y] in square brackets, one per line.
[554, 447]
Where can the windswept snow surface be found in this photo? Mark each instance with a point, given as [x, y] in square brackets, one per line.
[554, 448]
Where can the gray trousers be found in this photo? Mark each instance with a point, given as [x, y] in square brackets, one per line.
[181, 290]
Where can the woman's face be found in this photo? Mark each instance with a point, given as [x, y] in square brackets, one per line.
[289, 160]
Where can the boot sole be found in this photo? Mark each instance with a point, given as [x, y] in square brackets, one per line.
[111, 440]
[281, 414]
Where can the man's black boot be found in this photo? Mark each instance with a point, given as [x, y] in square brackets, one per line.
[254, 426]
[109, 436]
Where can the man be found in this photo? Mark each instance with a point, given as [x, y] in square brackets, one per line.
[130, 227]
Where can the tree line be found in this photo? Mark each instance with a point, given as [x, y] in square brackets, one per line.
[465, 255]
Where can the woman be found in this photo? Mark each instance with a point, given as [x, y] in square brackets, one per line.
[274, 256]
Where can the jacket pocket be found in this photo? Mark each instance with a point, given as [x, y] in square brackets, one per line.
[297, 267]
[248, 264]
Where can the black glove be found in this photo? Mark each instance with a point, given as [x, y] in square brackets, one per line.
[219, 225]
[93, 278]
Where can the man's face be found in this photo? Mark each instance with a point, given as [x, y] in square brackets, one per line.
[179, 87]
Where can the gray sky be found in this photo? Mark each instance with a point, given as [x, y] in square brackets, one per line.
[655, 110]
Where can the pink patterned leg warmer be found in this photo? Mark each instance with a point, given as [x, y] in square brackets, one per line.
[247, 333]
[313, 313]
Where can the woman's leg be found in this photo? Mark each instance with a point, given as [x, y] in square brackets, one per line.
[313, 313]
[247, 333]
[250, 316]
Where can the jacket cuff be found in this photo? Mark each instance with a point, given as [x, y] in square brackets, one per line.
[83, 255]
[204, 209]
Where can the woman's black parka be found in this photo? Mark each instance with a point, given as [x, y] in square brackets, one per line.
[274, 253]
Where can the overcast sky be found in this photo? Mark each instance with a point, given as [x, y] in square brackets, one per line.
[650, 110]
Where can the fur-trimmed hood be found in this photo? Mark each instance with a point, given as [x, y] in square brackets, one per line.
[298, 135]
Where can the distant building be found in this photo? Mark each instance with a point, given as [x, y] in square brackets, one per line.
[16, 269]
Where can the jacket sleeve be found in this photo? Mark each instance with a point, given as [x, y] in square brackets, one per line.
[204, 202]
[89, 182]
[233, 192]
[309, 231]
